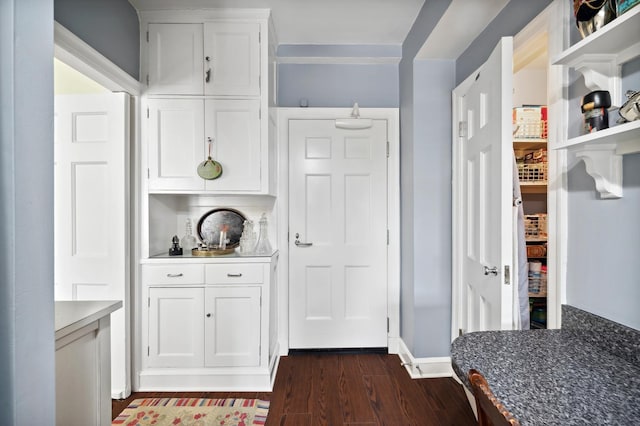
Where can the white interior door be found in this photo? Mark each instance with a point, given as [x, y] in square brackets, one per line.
[487, 162]
[91, 211]
[337, 235]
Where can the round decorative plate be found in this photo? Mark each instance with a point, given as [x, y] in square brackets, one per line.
[209, 169]
[214, 221]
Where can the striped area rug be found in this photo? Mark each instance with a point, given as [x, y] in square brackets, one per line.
[193, 412]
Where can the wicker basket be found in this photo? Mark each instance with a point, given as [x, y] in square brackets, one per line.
[535, 172]
[530, 122]
[535, 226]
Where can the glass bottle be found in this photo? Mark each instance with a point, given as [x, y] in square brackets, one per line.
[188, 242]
[263, 247]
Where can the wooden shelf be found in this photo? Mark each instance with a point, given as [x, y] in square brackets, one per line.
[529, 144]
[536, 240]
[533, 187]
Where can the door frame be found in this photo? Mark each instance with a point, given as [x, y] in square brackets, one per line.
[554, 21]
[73, 51]
[392, 115]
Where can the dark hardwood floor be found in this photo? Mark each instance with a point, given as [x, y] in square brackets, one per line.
[346, 389]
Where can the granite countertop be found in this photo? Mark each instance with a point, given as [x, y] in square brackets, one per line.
[552, 377]
[72, 315]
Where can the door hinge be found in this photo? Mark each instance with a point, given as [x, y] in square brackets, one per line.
[148, 351]
[507, 275]
[388, 325]
[387, 237]
[149, 177]
[259, 37]
[147, 36]
[259, 113]
[147, 79]
[147, 112]
[287, 236]
[462, 129]
[148, 298]
[460, 332]
[388, 149]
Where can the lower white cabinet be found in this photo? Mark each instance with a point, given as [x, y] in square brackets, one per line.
[208, 325]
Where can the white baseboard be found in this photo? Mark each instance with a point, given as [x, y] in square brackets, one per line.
[424, 368]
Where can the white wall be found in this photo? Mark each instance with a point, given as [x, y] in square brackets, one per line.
[27, 382]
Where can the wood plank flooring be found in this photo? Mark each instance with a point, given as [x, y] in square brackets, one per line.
[349, 389]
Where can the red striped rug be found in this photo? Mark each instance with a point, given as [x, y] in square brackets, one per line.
[194, 412]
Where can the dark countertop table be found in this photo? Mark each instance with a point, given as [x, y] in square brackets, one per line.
[584, 374]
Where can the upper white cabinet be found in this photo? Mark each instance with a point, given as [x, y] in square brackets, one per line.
[598, 58]
[175, 59]
[179, 132]
[213, 58]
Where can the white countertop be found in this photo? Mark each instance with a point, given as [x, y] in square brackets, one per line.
[74, 314]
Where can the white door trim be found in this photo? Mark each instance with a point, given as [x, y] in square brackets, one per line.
[554, 20]
[74, 52]
[393, 211]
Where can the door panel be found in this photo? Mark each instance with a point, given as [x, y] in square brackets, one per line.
[488, 162]
[232, 326]
[233, 52]
[176, 64]
[176, 143]
[338, 235]
[176, 327]
[91, 210]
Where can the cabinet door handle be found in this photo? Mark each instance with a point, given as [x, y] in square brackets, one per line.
[208, 315]
[174, 275]
[234, 275]
[207, 74]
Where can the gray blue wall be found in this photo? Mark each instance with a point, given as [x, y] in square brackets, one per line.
[27, 362]
[425, 113]
[604, 235]
[425, 302]
[364, 74]
[109, 26]
[511, 19]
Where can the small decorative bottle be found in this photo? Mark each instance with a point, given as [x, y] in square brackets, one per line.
[188, 242]
[248, 238]
[263, 247]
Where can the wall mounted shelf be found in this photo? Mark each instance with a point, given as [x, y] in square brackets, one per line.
[599, 58]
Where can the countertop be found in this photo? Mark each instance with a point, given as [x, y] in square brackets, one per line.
[73, 315]
[583, 374]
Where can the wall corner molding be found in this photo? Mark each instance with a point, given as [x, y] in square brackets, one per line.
[71, 50]
[425, 368]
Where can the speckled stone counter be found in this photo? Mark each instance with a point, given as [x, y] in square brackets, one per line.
[587, 373]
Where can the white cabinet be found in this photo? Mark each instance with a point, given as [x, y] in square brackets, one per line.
[232, 326]
[176, 327]
[208, 324]
[179, 130]
[175, 59]
[176, 144]
[232, 59]
[212, 58]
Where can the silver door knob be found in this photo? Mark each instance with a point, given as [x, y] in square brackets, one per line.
[300, 243]
[491, 271]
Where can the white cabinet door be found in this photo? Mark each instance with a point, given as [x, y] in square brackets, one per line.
[232, 326]
[234, 125]
[232, 59]
[176, 143]
[176, 327]
[175, 63]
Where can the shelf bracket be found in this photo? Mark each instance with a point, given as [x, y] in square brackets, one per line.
[604, 164]
[601, 72]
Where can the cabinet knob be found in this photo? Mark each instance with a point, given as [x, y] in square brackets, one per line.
[208, 315]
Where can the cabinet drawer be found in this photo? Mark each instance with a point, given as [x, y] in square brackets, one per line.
[234, 273]
[173, 274]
